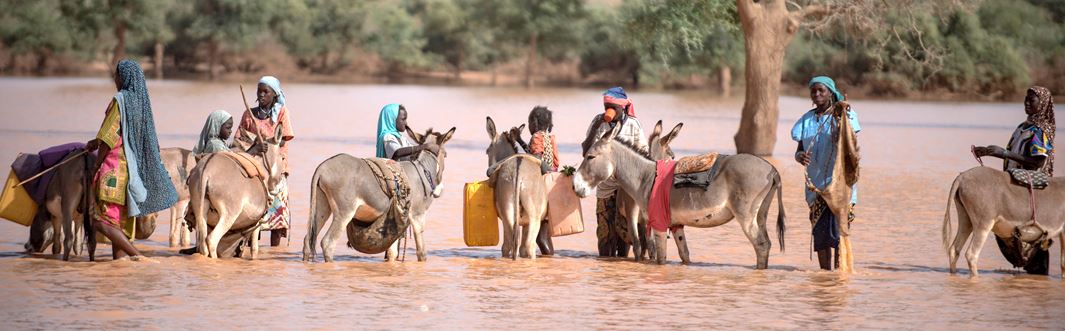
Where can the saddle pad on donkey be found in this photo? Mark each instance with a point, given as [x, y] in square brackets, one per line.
[250, 167]
[700, 179]
[696, 163]
[658, 212]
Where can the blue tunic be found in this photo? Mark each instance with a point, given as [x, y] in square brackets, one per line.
[815, 134]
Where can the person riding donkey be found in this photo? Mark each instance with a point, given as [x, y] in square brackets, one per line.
[543, 145]
[619, 110]
[1028, 155]
[271, 114]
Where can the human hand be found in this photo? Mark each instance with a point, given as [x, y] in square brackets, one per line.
[803, 158]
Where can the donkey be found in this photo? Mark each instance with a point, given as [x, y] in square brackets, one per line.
[179, 162]
[344, 188]
[225, 199]
[519, 190]
[64, 207]
[743, 189]
[988, 202]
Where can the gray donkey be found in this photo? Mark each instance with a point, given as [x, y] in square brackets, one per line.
[345, 188]
[179, 163]
[225, 199]
[743, 190]
[989, 203]
[519, 190]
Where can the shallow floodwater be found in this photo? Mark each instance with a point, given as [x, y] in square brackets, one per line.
[911, 153]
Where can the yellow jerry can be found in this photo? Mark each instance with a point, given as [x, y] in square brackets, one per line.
[16, 205]
[480, 224]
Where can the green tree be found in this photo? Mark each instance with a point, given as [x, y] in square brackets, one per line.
[453, 34]
[544, 27]
[36, 28]
[229, 26]
[395, 37]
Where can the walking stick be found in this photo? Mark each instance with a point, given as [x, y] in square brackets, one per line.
[50, 169]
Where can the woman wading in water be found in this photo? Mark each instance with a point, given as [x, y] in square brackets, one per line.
[130, 179]
[1031, 147]
[813, 131]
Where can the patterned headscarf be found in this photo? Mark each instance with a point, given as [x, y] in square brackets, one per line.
[617, 96]
[828, 83]
[386, 125]
[151, 188]
[1043, 118]
[274, 84]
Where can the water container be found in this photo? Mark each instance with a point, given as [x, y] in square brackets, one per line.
[563, 205]
[480, 224]
[16, 205]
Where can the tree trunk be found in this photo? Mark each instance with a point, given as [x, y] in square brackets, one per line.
[725, 79]
[120, 45]
[212, 61]
[530, 60]
[158, 60]
[768, 27]
[495, 73]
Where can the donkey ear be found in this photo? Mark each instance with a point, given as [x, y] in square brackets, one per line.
[520, 129]
[672, 134]
[657, 130]
[612, 133]
[446, 136]
[420, 139]
[491, 128]
[279, 134]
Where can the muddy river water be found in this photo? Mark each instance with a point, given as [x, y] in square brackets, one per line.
[911, 153]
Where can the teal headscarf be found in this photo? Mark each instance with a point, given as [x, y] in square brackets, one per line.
[386, 125]
[830, 84]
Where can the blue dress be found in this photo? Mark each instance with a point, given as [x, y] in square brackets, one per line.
[815, 133]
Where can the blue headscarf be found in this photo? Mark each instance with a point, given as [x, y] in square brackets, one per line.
[830, 84]
[386, 125]
[275, 85]
[149, 189]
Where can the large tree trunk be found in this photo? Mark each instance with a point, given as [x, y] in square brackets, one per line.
[531, 59]
[158, 60]
[768, 27]
[724, 77]
[120, 45]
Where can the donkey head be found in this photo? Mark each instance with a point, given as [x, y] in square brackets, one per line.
[502, 144]
[598, 164]
[660, 149]
[436, 142]
[270, 151]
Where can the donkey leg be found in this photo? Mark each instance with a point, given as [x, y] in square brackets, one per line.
[225, 221]
[393, 251]
[336, 229]
[175, 236]
[509, 246]
[1061, 244]
[182, 209]
[419, 232]
[531, 231]
[758, 237]
[255, 243]
[980, 234]
[682, 246]
[660, 246]
[57, 234]
[965, 228]
[68, 230]
[632, 214]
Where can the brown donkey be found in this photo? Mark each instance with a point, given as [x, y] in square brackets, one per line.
[225, 199]
[344, 188]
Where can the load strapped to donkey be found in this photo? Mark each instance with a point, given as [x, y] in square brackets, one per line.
[377, 236]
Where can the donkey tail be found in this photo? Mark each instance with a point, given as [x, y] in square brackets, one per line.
[517, 208]
[780, 209]
[312, 221]
[948, 242]
[200, 189]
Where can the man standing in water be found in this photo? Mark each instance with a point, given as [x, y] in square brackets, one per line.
[612, 230]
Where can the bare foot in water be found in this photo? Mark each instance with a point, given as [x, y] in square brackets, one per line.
[142, 258]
